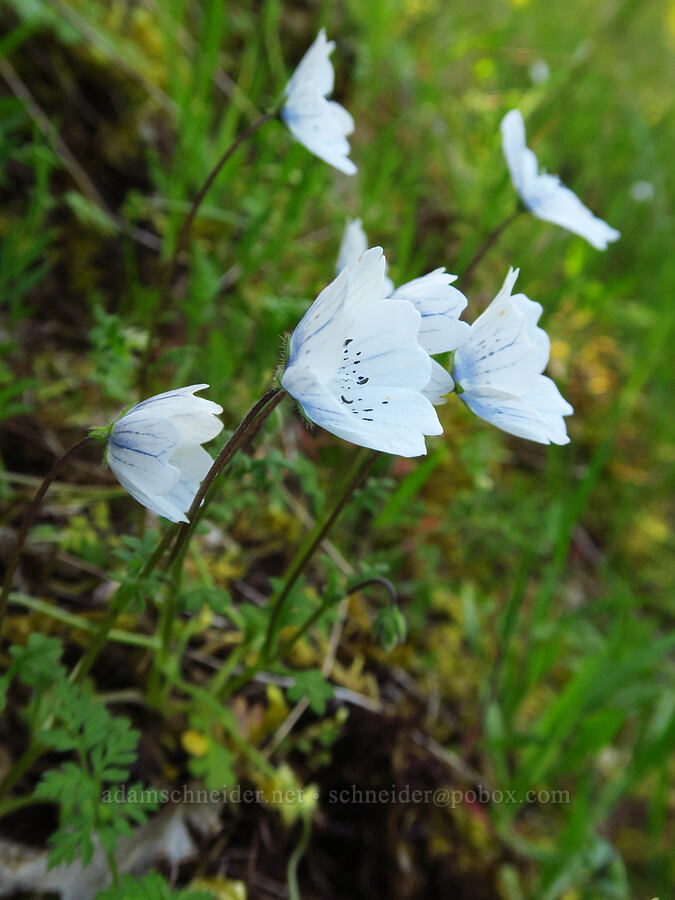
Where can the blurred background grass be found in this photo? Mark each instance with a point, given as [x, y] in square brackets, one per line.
[537, 581]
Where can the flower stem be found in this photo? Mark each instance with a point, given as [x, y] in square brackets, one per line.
[488, 243]
[326, 604]
[170, 268]
[244, 432]
[246, 428]
[355, 477]
[28, 518]
[296, 856]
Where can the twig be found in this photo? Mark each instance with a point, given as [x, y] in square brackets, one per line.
[489, 242]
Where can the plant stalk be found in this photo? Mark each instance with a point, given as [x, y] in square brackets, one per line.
[355, 478]
[488, 243]
[248, 425]
[172, 264]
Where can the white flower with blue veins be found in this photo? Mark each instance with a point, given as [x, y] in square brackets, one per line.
[498, 370]
[545, 195]
[356, 367]
[439, 304]
[155, 452]
[319, 124]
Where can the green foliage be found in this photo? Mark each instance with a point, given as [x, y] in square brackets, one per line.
[67, 718]
[150, 887]
[312, 686]
[389, 628]
[131, 557]
[26, 239]
[114, 354]
[214, 764]
[535, 581]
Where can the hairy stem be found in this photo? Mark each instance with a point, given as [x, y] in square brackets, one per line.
[28, 519]
[246, 428]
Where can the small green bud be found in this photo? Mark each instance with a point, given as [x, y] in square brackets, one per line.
[390, 627]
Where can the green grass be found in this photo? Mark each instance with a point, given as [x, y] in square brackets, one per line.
[536, 581]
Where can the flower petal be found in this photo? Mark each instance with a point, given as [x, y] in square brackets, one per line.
[440, 385]
[440, 306]
[315, 68]
[390, 420]
[353, 245]
[321, 126]
[558, 204]
[140, 451]
[514, 415]
[193, 461]
[161, 505]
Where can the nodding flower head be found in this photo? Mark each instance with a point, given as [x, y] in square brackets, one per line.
[155, 452]
[319, 124]
[498, 370]
[544, 195]
[356, 367]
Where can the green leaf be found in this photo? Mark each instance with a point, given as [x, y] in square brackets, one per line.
[314, 687]
[151, 887]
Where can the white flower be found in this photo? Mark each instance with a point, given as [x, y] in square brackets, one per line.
[155, 452]
[544, 195]
[356, 367]
[439, 304]
[498, 370]
[352, 247]
[319, 124]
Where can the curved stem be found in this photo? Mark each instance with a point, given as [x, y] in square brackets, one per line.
[488, 243]
[245, 431]
[247, 427]
[376, 579]
[353, 481]
[181, 242]
[326, 604]
[296, 856]
[28, 518]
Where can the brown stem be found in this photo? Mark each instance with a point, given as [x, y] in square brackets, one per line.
[248, 425]
[489, 242]
[170, 268]
[28, 518]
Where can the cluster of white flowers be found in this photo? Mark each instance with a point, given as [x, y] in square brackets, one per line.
[360, 362]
